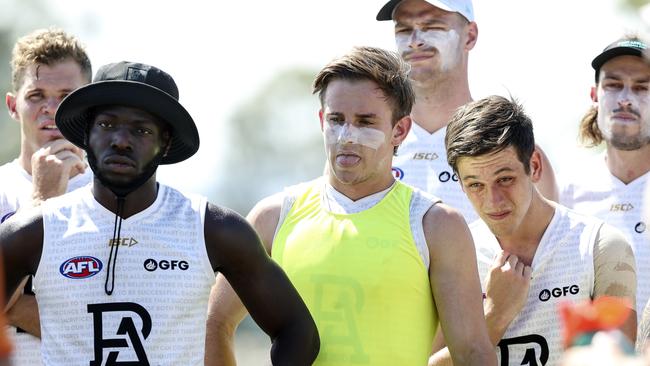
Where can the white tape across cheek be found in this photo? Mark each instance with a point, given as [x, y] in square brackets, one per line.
[348, 134]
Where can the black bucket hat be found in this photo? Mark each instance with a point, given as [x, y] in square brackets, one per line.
[622, 47]
[133, 85]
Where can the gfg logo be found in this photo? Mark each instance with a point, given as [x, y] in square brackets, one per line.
[152, 265]
[546, 294]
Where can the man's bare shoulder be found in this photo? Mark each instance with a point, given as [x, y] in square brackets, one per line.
[444, 225]
[267, 208]
[441, 216]
[22, 220]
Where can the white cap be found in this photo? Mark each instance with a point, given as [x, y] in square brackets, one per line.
[462, 7]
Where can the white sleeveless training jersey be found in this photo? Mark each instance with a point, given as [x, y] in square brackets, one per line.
[156, 315]
[563, 270]
[15, 192]
[16, 187]
[421, 162]
[593, 190]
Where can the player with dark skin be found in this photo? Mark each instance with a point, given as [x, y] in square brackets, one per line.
[125, 143]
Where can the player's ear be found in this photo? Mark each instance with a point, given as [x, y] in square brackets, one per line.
[320, 118]
[401, 130]
[10, 100]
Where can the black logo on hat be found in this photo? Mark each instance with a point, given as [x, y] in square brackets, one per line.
[136, 74]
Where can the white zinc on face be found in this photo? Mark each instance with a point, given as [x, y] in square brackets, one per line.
[346, 133]
[624, 103]
[622, 131]
[445, 42]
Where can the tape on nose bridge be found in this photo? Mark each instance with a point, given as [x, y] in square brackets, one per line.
[346, 134]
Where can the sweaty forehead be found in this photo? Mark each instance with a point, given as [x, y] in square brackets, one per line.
[63, 75]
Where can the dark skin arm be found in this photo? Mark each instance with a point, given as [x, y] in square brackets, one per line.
[21, 240]
[236, 251]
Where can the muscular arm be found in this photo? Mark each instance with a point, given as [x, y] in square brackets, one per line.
[225, 310]
[235, 251]
[456, 288]
[21, 240]
[507, 285]
[615, 272]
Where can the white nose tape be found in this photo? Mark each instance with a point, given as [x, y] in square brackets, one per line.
[348, 134]
[446, 42]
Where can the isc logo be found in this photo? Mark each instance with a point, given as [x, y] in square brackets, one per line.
[81, 267]
[425, 156]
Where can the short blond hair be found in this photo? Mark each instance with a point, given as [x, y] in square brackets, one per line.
[47, 47]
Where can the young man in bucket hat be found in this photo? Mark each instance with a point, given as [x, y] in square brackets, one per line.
[149, 306]
[436, 37]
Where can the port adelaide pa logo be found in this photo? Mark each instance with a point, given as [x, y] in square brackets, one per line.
[81, 267]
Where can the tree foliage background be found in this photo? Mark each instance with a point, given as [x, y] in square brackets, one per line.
[273, 140]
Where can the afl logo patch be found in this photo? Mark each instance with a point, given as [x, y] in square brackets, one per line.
[398, 173]
[81, 267]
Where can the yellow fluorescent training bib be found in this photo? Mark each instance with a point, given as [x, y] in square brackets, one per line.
[362, 278]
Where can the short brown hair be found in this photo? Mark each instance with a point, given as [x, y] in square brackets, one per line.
[46, 47]
[385, 68]
[488, 126]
